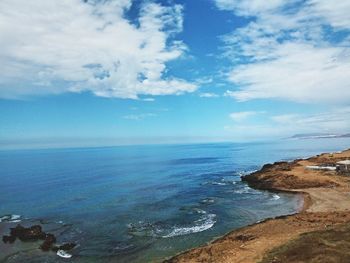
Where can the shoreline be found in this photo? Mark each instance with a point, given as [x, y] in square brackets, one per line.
[325, 205]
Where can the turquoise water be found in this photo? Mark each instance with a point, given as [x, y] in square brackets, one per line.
[141, 203]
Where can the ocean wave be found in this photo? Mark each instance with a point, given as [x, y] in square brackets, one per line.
[163, 230]
[192, 210]
[204, 223]
[199, 211]
[10, 218]
[124, 247]
[246, 172]
[244, 190]
[230, 180]
[207, 201]
[225, 181]
[219, 183]
[275, 197]
[145, 229]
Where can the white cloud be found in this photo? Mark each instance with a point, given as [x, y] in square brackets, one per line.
[290, 51]
[242, 115]
[336, 14]
[249, 7]
[333, 121]
[299, 72]
[204, 80]
[252, 132]
[70, 46]
[310, 11]
[137, 117]
[208, 95]
[285, 118]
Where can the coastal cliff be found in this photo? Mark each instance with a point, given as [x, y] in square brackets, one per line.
[323, 216]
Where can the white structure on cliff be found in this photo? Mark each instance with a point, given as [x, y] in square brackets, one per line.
[343, 166]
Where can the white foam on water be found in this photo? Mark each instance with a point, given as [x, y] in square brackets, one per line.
[275, 197]
[10, 218]
[202, 224]
[245, 190]
[63, 254]
[199, 211]
[142, 229]
[218, 183]
[15, 217]
[207, 201]
[243, 173]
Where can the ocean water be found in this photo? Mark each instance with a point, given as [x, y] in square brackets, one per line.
[141, 203]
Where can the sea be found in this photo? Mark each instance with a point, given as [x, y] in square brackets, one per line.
[141, 203]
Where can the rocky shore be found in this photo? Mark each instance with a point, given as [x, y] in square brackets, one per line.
[322, 221]
[32, 237]
[35, 233]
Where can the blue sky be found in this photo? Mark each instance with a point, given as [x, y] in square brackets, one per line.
[88, 73]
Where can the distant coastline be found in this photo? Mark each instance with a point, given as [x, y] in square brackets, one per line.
[319, 136]
[325, 207]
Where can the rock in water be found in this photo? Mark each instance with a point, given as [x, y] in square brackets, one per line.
[8, 239]
[67, 246]
[35, 233]
[48, 242]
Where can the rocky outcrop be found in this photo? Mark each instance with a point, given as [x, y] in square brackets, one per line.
[277, 176]
[35, 233]
[32, 233]
[48, 242]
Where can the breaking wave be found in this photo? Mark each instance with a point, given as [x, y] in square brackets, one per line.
[207, 201]
[246, 172]
[10, 218]
[204, 223]
[161, 230]
[275, 197]
[244, 190]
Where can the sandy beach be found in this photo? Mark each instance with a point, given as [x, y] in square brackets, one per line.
[324, 214]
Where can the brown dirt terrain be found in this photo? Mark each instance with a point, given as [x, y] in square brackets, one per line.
[328, 246]
[326, 209]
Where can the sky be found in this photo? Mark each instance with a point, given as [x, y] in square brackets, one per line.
[111, 72]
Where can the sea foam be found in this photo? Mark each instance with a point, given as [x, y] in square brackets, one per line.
[10, 218]
[275, 197]
[204, 223]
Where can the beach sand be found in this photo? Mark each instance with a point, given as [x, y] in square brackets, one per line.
[325, 208]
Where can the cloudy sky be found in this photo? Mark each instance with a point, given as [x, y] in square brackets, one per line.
[139, 71]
